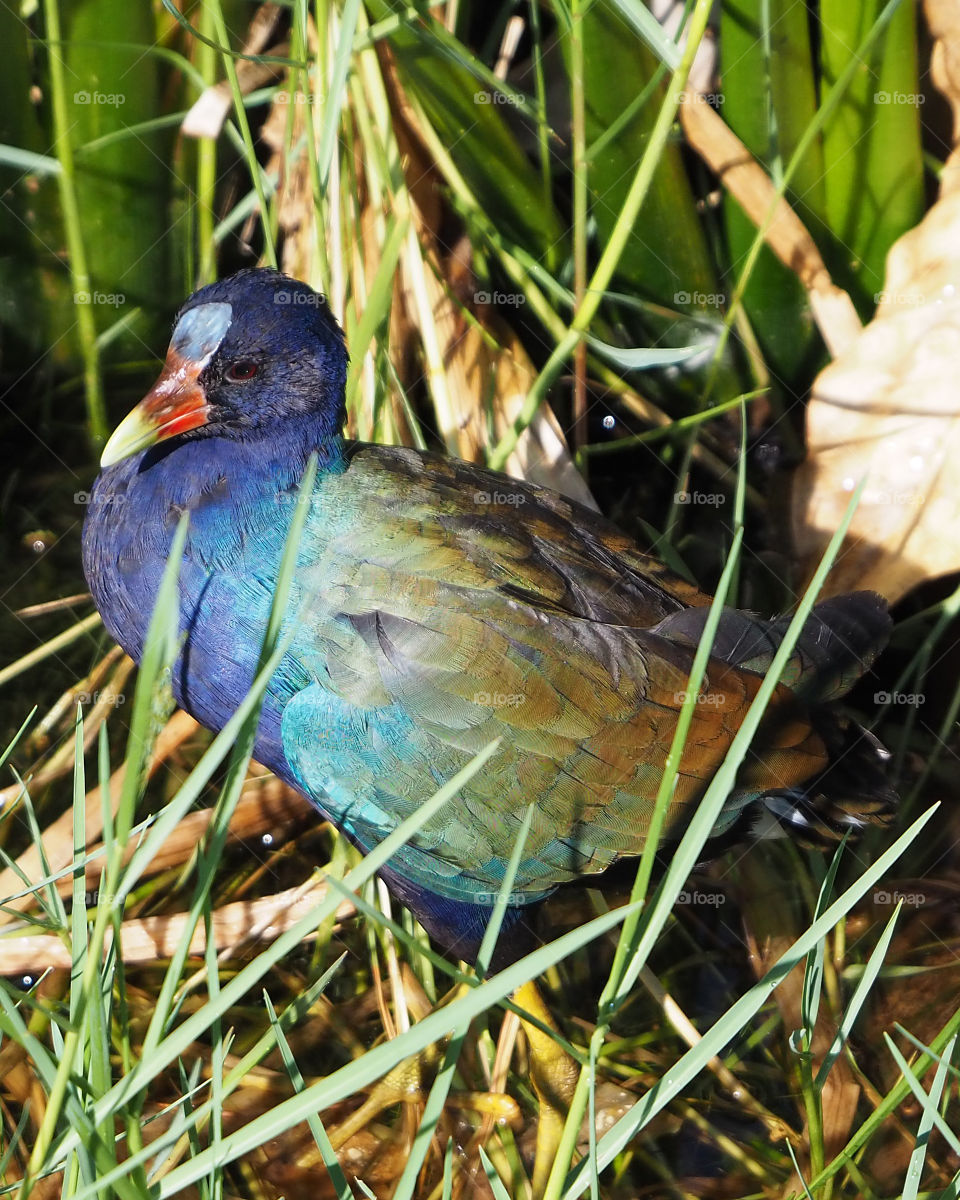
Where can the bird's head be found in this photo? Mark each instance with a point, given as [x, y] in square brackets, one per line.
[246, 352]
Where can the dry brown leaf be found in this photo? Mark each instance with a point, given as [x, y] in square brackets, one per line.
[926, 939]
[465, 367]
[886, 410]
[477, 373]
[470, 371]
[784, 232]
[266, 805]
[374, 1155]
[771, 931]
[207, 114]
[58, 836]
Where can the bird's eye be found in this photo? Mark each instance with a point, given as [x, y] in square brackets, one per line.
[238, 372]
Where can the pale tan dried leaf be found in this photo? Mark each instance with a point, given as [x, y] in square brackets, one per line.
[476, 371]
[266, 806]
[473, 373]
[472, 369]
[887, 410]
[150, 938]
[207, 114]
[943, 19]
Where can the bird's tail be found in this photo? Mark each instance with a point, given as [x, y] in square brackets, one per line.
[838, 643]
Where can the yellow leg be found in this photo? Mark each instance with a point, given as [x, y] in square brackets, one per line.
[553, 1074]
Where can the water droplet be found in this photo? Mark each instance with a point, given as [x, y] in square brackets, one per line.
[39, 540]
[267, 839]
[609, 421]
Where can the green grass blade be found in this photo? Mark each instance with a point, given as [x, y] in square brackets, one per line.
[931, 1115]
[378, 1061]
[858, 999]
[340, 1185]
[914, 1173]
[736, 1017]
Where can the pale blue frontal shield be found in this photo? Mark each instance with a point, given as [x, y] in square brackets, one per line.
[200, 331]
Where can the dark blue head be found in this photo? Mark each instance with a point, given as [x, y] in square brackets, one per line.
[245, 353]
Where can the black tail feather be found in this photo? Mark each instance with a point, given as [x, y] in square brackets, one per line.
[839, 642]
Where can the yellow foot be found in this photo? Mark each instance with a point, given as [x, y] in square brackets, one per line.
[404, 1084]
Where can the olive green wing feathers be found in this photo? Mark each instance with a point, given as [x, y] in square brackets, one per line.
[455, 615]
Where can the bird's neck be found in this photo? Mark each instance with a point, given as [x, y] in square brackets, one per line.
[241, 497]
[206, 474]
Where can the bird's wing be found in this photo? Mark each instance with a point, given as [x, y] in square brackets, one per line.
[449, 614]
[490, 532]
